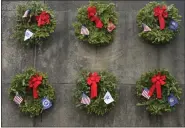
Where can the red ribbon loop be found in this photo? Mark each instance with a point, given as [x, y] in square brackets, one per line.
[34, 82]
[92, 81]
[43, 18]
[157, 81]
[93, 17]
[161, 14]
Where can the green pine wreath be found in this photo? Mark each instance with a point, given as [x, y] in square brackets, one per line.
[97, 36]
[97, 105]
[154, 105]
[40, 33]
[157, 36]
[20, 85]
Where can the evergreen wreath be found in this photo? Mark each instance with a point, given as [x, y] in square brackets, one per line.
[158, 29]
[32, 92]
[96, 23]
[148, 91]
[106, 83]
[35, 18]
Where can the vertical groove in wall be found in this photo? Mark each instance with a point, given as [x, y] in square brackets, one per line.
[34, 57]
[34, 61]
[184, 69]
[34, 64]
[96, 50]
[184, 56]
[158, 57]
[34, 122]
[158, 119]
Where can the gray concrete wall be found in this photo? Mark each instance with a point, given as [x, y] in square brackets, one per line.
[63, 57]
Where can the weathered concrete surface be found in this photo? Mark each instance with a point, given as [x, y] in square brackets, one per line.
[63, 56]
[14, 60]
[14, 57]
[172, 56]
[9, 5]
[65, 5]
[130, 5]
[127, 56]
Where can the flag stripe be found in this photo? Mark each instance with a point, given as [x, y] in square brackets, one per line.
[84, 31]
[145, 93]
[146, 28]
[85, 99]
[18, 99]
[88, 99]
[26, 13]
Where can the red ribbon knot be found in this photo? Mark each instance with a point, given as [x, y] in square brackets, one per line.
[43, 18]
[161, 14]
[92, 15]
[34, 82]
[157, 81]
[92, 81]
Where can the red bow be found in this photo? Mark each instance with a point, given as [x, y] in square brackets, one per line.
[161, 14]
[92, 16]
[157, 81]
[43, 18]
[92, 80]
[34, 82]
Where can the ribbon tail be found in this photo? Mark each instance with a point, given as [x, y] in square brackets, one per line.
[161, 22]
[99, 24]
[35, 94]
[39, 22]
[93, 90]
[151, 91]
[158, 88]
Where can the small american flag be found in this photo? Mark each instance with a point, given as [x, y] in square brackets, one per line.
[26, 13]
[18, 99]
[145, 93]
[85, 99]
[146, 28]
[84, 31]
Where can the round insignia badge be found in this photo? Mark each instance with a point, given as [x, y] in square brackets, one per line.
[173, 25]
[171, 100]
[46, 103]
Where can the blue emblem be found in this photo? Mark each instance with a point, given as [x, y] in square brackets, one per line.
[107, 97]
[172, 100]
[46, 103]
[173, 25]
